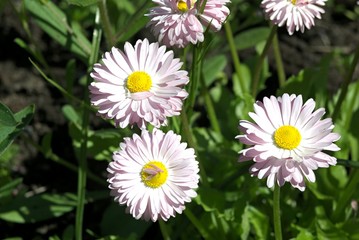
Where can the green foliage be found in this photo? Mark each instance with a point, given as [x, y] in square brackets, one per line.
[230, 204]
[12, 125]
[24, 209]
[54, 22]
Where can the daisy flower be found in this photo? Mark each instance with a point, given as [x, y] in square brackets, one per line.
[143, 84]
[154, 175]
[295, 14]
[287, 140]
[176, 22]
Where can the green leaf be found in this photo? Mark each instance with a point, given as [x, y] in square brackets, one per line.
[82, 3]
[53, 21]
[37, 208]
[6, 190]
[212, 67]
[325, 228]
[210, 199]
[6, 116]
[310, 81]
[251, 37]
[135, 27]
[71, 114]
[130, 227]
[100, 144]
[8, 134]
[258, 222]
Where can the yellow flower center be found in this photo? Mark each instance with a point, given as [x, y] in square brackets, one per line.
[154, 174]
[182, 6]
[293, 2]
[287, 137]
[139, 82]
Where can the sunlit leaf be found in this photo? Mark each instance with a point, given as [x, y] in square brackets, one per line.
[251, 37]
[6, 116]
[36, 208]
[8, 134]
[82, 3]
[212, 67]
[55, 23]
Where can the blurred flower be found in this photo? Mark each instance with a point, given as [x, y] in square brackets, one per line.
[142, 84]
[154, 175]
[296, 14]
[287, 140]
[176, 24]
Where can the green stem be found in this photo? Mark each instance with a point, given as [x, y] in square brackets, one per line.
[348, 163]
[345, 198]
[259, 64]
[164, 231]
[279, 61]
[57, 159]
[197, 223]
[61, 89]
[82, 170]
[105, 20]
[35, 50]
[202, 6]
[187, 135]
[121, 36]
[344, 87]
[276, 213]
[235, 58]
[194, 79]
[210, 108]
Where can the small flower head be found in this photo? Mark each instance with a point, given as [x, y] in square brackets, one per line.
[143, 84]
[287, 140]
[295, 14]
[176, 24]
[154, 175]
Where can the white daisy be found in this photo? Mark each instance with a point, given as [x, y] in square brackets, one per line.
[287, 140]
[154, 175]
[295, 14]
[143, 84]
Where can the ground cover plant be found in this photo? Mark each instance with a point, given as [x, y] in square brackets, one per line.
[174, 119]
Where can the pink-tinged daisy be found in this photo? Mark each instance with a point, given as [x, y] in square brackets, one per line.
[143, 84]
[287, 140]
[295, 14]
[176, 22]
[154, 175]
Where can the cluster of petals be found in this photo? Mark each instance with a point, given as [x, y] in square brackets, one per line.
[178, 25]
[162, 97]
[160, 202]
[295, 14]
[281, 164]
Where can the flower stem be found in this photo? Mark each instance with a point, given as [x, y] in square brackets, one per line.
[344, 87]
[82, 170]
[57, 159]
[105, 20]
[235, 58]
[259, 64]
[348, 163]
[187, 134]
[210, 108]
[344, 199]
[194, 79]
[197, 223]
[279, 61]
[276, 213]
[164, 230]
